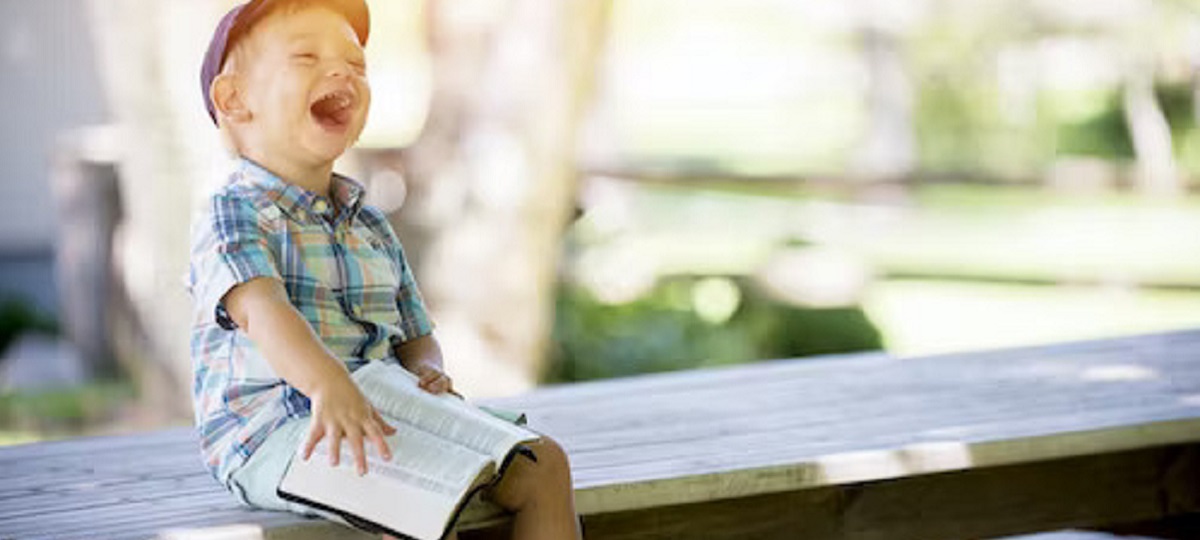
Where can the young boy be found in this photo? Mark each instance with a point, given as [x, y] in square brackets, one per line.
[296, 283]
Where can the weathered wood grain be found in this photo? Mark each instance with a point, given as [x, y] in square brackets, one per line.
[981, 503]
[867, 441]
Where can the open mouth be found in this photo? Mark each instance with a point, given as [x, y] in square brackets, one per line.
[333, 110]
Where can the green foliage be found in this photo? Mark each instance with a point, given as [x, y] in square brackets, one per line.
[950, 125]
[31, 414]
[661, 332]
[1178, 106]
[18, 317]
[959, 127]
[62, 409]
[1105, 134]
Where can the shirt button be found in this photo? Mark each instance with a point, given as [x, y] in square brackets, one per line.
[320, 206]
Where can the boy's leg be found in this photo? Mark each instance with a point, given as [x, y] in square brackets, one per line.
[541, 494]
[255, 482]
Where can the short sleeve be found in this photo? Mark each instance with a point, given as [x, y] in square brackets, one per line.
[229, 247]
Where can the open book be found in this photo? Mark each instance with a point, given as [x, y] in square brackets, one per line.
[443, 452]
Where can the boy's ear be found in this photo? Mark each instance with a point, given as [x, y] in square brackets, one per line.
[227, 98]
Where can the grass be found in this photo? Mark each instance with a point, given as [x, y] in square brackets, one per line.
[29, 415]
[11, 438]
[929, 317]
[1027, 235]
[956, 266]
[956, 231]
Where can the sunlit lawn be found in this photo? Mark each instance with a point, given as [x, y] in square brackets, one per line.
[925, 317]
[968, 231]
[1028, 234]
[33, 415]
[955, 267]
[9, 438]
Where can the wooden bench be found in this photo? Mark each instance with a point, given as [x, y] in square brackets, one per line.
[972, 445]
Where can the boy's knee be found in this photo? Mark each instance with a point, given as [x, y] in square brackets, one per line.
[552, 460]
[526, 480]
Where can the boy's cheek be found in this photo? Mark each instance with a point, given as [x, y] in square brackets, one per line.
[364, 91]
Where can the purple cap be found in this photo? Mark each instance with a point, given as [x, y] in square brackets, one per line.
[242, 18]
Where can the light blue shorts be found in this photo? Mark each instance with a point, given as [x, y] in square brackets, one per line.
[254, 484]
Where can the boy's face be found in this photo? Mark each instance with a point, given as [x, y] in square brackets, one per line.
[304, 83]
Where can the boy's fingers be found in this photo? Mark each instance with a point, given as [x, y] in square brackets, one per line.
[441, 385]
[335, 447]
[435, 382]
[382, 423]
[360, 454]
[376, 436]
[315, 433]
[387, 428]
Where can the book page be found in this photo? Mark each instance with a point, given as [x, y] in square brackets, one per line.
[394, 391]
[416, 492]
[417, 458]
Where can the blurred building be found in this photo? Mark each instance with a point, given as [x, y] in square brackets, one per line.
[50, 87]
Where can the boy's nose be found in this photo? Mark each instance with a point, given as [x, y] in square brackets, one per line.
[339, 68]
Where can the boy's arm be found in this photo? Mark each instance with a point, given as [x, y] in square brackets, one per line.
[423, 357]
[261, 308]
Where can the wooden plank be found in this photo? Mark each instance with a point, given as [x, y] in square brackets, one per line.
[48, 503]
[1070, 534]
[106, 459]
[148, 530]
[68, 480]
[609, 495]
[573, 425]
[1182, 527]
[745, 451]
[977, 503]
[981, 503]
[719, 436]
[808, 514]
[811, 440]
[1069, 410]
[10, 455]
[102, 523]
[1146, 348]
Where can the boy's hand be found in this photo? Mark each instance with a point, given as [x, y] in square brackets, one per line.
[340, 411]
[432, 378]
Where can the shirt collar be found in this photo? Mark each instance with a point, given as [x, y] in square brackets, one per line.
[299, 203]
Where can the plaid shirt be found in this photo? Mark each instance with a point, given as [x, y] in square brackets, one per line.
[346, 275]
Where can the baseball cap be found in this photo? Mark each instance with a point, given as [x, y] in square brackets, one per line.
[235, 24]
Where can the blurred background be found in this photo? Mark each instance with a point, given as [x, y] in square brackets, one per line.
[598, 188]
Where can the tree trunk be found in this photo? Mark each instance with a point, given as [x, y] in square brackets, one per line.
[492, 179]
[165, 149]
[1157, 175]
[888, 148]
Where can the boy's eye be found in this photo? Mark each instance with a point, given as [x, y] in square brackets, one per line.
[306, 57]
